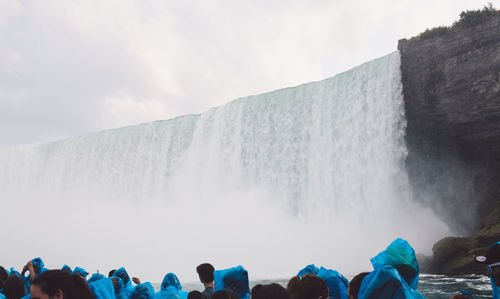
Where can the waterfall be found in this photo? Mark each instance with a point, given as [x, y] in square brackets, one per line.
[313, 173]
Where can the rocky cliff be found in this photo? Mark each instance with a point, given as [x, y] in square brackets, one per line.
[451, 85]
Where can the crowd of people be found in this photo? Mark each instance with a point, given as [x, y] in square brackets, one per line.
[395, 275]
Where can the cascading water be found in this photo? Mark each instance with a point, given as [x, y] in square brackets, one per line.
[313, 173]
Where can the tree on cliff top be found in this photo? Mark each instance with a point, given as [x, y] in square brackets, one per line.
[467, 18]
[474, 17]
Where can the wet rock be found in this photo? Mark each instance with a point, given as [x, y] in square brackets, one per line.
[451, 87]
[456, 255]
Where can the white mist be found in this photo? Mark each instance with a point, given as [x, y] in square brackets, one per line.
[310, 174]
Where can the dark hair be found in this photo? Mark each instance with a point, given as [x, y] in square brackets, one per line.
[355, 284]
[206, 272]
[14, 287]
[406, 271]
[225, 294]
[308, 286]
[195, 295]
[269, 291]
[111, 273]
[3, 276]
[72, 286]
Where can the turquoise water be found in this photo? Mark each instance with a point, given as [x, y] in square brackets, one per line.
[431, 286]
[440, 286]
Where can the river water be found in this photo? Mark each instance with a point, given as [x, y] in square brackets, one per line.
[431, 286]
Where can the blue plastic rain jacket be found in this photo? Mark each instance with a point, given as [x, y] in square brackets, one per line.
[387, 283]
[171, 288]
[2, 296]
[38, 266]
[234, 279]
[80, 271]
[127, 284]
[95, 277]
[120, 290]
[102, 287]
[143, 291]
[337, 283]
[67, 268]
[399, 252]
[122, 273]
[495, 289]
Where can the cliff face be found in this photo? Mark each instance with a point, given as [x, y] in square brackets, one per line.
[451, 86]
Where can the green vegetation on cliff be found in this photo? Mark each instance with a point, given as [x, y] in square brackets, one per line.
[467, 18]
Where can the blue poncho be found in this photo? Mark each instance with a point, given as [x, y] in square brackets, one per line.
[399, 252]
[120, 290]
[95, 277]
[127, 285]
[38, 267]
[67, 268]
[80, 271]
[337, 283]
[495, 289]
[387, 283]
[171, 288]
[234, 279]
[143, 291]
[102, 287]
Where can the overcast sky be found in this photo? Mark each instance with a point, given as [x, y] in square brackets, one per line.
[69, 68]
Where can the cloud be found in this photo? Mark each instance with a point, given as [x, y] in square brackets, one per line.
[66, 68]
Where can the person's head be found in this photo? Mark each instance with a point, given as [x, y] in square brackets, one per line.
[143, 291]
[111, 273]
[407, 272]
[235, 282]
[66, 268]
[225, 294]
[59, 284]
[206, 272]
[195, 295]
[397, 254]
[308, 286]
[14, 287]
[355, 284]
[122, 273]
[95, 277]
[3, 276]
[171, 280]
[37, 265]
[269, 291]
[492, 260]
[462, 295]
[81, 272]
[234, 279]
